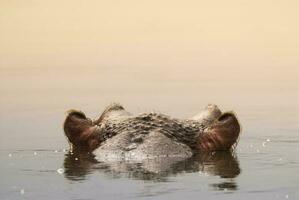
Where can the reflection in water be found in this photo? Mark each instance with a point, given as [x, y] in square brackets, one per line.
[77, 165]
[223, 164]
[225, 186]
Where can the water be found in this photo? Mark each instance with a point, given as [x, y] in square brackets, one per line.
[36, 164]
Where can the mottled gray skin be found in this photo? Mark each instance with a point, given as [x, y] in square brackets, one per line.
[150, 135]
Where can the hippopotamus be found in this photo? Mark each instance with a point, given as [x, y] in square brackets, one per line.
[117, 133]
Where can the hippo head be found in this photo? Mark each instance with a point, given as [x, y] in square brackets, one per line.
[220, 130]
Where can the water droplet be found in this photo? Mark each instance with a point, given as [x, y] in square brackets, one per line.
[76, 159]
[35, 153]
[257, 151]
[60, 171]
[10, 155]
[22, 191]
[287, 196]
[268, 140]
[56, 151]
[264, 144]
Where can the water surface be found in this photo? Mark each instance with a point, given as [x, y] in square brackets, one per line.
[36, 164]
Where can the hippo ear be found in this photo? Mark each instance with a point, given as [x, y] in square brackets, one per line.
[222, 135]
[75, 113]
[74, 126]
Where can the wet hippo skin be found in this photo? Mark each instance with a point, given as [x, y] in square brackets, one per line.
[117, 134]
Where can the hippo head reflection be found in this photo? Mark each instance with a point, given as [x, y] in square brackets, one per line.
[79, 165]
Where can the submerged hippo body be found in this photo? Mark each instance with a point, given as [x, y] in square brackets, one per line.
[117, 134]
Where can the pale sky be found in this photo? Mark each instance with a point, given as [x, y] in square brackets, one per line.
[234, 33]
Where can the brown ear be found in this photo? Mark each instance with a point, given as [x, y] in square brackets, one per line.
[93, 139]
[222, 135]
[89, 140]
[78, 130]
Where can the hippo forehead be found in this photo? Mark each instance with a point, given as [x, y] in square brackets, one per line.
[148, 135]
